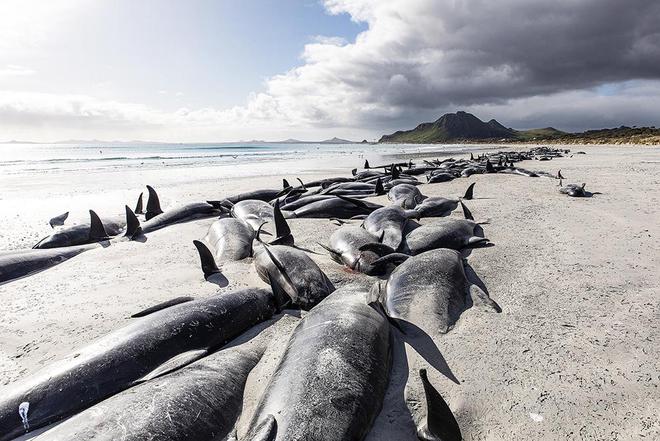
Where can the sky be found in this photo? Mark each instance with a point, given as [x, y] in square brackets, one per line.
[226, 70]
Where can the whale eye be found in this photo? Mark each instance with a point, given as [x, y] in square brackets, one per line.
[23, 409]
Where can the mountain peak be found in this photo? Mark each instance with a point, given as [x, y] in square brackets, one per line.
[457, 126]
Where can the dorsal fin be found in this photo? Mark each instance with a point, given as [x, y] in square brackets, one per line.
[395, 172]
[469, 193]
[162, 305]
[96, 229]
[58, 220]
[471, 157]
[153, 204]
[302, 184]
[379, 187]
[354, 171]
[283, 234]
[133, 227]
[366, 164]
[440, 422]
[489, 167]
[285, 184]
[138, 206]
[381, 237]
[265, 431]
[209, 267]
[466, 212]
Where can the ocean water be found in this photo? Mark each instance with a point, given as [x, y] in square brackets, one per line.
[45, 158]
[39, 181]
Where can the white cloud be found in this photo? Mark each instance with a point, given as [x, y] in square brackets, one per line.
[14, 70]
[523, 62]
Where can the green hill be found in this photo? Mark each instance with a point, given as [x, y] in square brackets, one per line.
[465, 127]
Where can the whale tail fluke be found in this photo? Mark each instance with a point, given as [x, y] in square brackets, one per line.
[133, 228]
[440, 421]
[138, 207]
[97, 231]
[153, 204]
[209, 267]
[469, 193]
[58, 220]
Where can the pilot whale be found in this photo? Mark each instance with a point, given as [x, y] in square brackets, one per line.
[149, 346]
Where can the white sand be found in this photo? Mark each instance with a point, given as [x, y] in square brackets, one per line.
[573, 355]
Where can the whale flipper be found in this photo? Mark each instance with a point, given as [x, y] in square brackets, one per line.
[161, 306]
[97, 232]
[173, 364]
[153, 204]
[58, 220]
[440, 422]
[138, 206]
[209, 267]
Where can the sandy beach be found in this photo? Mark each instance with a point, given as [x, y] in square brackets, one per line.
[572, 355]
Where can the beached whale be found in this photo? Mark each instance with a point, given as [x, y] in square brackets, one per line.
[230, 239]
[341, 207]
[157, 219]
[331, 381]
[389, 223]
[201, 401]
[439, 206]
[573, 190]
[456, 234]
[81, 234]
[345, 247]
[405, 195]
[298, 275]
[430, 292]
[253, 211]
[356, 189]
[21, 263]
[149, 346]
